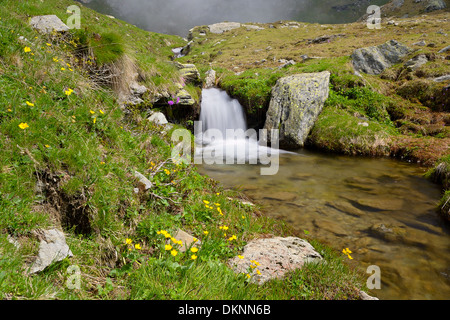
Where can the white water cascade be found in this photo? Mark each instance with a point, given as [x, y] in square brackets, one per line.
[223, 136]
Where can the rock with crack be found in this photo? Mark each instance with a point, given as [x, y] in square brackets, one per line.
[373, 60]
[273, 257]
[53, 248]
[48, 24]
[295, 105]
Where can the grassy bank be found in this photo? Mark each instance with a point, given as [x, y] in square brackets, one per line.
[69, 154]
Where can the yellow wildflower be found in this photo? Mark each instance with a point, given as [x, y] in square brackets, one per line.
[206, 201]
[205, 232]
[137, 246]
[23, 125]
[167, 247]
[9, 110]
[194, 249]
[174, 252]
[248, 275]
[193, 257]
[27, 49]
[101, 111]
[95, 120]
[194, 239]
[63, 69]
[240, 257]
[48, 44]
[47, 146]
[92, 112]
[258, 272]
[29, 104]
[128, 241]
[55, 59]
[68, 92]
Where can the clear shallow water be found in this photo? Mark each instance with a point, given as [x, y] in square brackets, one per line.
[382, 209]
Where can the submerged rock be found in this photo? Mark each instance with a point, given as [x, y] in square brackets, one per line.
[373, 60]
[274, 257]
[296, 103]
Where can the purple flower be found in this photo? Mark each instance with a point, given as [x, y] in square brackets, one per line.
[171, 103]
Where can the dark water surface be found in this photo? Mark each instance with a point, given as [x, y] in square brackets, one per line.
[382, 209]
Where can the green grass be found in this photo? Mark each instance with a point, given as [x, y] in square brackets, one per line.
[72, 166]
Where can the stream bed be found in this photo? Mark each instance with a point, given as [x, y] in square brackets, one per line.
[383, 210]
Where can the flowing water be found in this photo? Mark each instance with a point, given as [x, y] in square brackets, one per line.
[382, 209]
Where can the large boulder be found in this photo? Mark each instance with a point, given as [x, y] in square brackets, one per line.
[373, 60]
[273, 257]
[295, 105]
[48, 24]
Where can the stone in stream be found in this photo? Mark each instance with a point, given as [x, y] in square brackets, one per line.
[295, 105]
[346, 208]
[373, 60]
[274, 257]
[330, 226]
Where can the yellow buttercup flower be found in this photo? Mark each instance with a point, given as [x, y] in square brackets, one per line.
[193, 257]
[205, 232]
[194, 249]
[174, 252]
[47, 146]
[206, 201]
[258, 272]
[137, 246]
[29, 104]
[240, 257]
[48, 44]
[23, 125]
[167, 247]
[128, 241]
[27, 49]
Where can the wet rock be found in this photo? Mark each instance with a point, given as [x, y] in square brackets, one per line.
[330, 226]
[53, 248]
[275, 257]
[210, 80]
[346, 208]
[281, 196]
[222, 27]
[373, 60]
[381, 203]
[48, 24]
[295, 105]
[388, 232]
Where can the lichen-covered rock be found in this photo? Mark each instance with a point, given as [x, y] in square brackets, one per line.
[273, 257]
[373, 60]
[48, 24]
[433, 5]
[189, 72]
[296, 103]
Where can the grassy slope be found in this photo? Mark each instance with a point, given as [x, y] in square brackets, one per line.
[73, 167]
[407, 112]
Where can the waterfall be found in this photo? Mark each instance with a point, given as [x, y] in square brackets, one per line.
[223, 136]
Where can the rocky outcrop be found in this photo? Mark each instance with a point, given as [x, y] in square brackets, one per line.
[296, 103]
[189, 72]
[48, 24]
[273, 257]
[222, 27]
[373, 60]
[433, 5]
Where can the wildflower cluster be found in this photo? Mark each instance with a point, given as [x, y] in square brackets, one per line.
[173, 245]
[347, 252]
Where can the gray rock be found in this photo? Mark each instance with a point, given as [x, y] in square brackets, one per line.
[210, 80]
[295, 105]
[373, 60]
[185, 98]
[434, 5]
[275, 257]
[144, 183]
[53, 248]
[421, 43]
[442, 78]
[158, 118]
[222, 27]
[365, 296]
[443, 50]
[416, 62]
[48, 24]
[137, 89]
